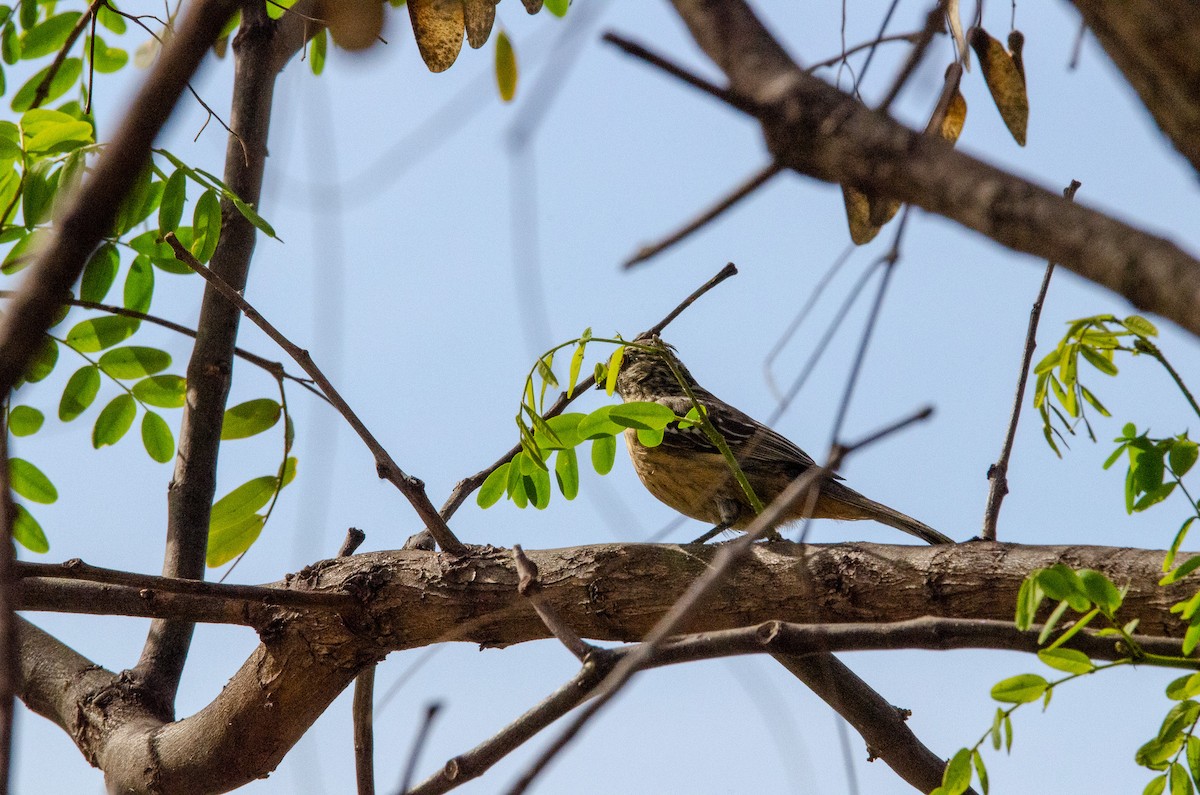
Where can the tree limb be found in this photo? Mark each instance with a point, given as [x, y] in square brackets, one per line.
[817, 130]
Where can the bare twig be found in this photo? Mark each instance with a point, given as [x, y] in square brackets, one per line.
[364, 731]
[354, 540]
[412, 488]
[998, 472]
[933, 24]
[76, 569]
[410, 768]
[528, 587]
[760, 178]
[911, 38]
[674, 69]
[9, 666]
[274, 368]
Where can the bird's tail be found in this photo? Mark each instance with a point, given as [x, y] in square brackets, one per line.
[856, 506]
[893, 518]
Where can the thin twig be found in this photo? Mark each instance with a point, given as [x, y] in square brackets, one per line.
[76, 569]
[43, 89]
[9, 664]
[364, 731]
[998, 472]
[911, 38]
[274, 368]
[410, 767]
[412, 488]
[466, 486]
[528, 587]
[759, 178]
[670, 67]
[354, 540]
[933, 24]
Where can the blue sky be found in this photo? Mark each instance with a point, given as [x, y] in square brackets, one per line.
[400, 271]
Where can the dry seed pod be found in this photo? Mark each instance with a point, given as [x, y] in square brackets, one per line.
[438, 27]
[478, 16]
[1004, 80]
[951, 112]
[1016, 43]
[858, 214]
[353, 24]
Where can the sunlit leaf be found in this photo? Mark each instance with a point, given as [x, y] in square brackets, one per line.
[25, 420]
[79, 392]
[161, 391]
[27, 532]
[30, 482]
[157, 437]
[250, 418]
[114, 421]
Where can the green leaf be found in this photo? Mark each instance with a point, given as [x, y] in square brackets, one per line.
[1157, 785]
[1020, 689]
[105, 59]
[79, 392]
[1052, 621]
[30, 482]
[10, 44]
[1029, 598]
[1140, 326]
[506, 67]
[250, 418]
[162, 391]
[1193, 756]
[641, 415]
[1100, 361]
[25, 420]
[566, 471]
[1178, 719]
[538, 486]
[1076, 628]
[577, 362]
[614, 368]
[48, 36]
[557, 7]
[1169, 560]
[1184, 687]
[114, 421]
[1071, 661]
[565, 429]
[65, 78]
[516, 481]
[232, 540]
[170, 210]
[157, 437]
[980, 770]
[316, 52]
[604, 454]
[99, 273]
[597, 424]
[1100, 590]
[957, 775]
[139, 285]
[96, 334]
[1008, 733]
[206, 225]
[241, 503]
[43, 361]
[1190, 565]
[27, 532]
[997, 720]
[289, 470]
[110, 19]
[1181, 784]
[29, 13]
[1182, 456]
[493, 487]
[251, 215]
[134, 361]
[1061, 582]
[650, 437]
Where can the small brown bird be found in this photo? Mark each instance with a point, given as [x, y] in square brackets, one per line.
[688, 472]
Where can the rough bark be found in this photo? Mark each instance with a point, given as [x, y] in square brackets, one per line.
[1156, 45]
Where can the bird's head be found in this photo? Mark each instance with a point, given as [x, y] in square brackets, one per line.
[645, 373]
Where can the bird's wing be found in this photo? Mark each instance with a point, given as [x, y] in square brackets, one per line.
[753, 443]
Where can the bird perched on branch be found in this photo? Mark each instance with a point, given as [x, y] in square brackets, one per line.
[688, 472]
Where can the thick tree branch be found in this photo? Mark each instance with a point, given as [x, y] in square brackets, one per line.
[1156, 45]
[210, 369]
[606, 592]
[817, 130]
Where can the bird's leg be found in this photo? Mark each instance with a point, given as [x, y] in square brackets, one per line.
[717, 530]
